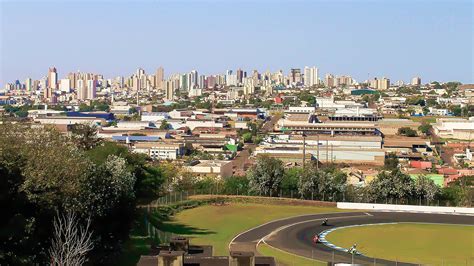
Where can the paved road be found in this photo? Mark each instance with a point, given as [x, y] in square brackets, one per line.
[295, 234]
[241, 161]
[269, 125]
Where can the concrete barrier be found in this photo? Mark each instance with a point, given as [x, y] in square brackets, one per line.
[404, 208]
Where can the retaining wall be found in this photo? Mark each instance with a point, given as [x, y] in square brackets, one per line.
[408, 208]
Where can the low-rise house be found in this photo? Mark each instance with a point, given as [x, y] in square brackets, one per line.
[421, 164]
[439, 112]
[464, 158]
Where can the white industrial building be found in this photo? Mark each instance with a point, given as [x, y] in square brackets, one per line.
[454, 128]
[64, 120]
[160, 150]
[325, 148]
[194, 123]
[134, 125]
[218, 168]
[154, 116]
[330, 103]
[301, 109]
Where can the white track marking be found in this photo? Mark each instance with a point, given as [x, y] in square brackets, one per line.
[302, 222]
[331, 245]
[434, 223]
[292, 254]
[282, 219]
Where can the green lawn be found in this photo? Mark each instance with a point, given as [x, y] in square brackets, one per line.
[288, 258]
[217, 225]
[409, 242]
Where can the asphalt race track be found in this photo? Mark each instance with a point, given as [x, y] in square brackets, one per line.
[295, 234]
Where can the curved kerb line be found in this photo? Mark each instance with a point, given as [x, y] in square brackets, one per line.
[322, 236]
[293, 224]
[281, 219]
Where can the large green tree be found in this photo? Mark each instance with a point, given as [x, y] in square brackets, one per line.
[425, 188]
[391, 185]
[266, 175]
[44, 172]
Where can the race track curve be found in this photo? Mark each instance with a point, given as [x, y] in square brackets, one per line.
[294, 234]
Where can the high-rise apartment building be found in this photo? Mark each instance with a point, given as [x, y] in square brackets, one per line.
[169, 90]
[91, 89]
[310, 76]
[211, 81]
[159, 78]
[240, 75]
[64, 85]
[72, 80]
[384, 84]
[416, 81]
[140, 72]
[52, 83]
[52, 78]
[344, 81]
[202, 81]
[295, 75]
[329, 80]
[135, 83]
[193, 79]
[81, 90]
[183, 82]
[28, 84]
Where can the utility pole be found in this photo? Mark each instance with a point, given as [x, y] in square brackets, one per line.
[332, 154]
[304, 149]
[327, 151]
[317, 149]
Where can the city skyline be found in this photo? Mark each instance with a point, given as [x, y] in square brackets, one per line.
[362, 39]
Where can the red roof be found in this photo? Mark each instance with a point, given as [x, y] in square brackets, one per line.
[448, 171]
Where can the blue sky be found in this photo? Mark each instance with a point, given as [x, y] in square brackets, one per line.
[396, 39]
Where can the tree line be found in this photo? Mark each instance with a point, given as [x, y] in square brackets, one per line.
[54, 185]
[269, 177]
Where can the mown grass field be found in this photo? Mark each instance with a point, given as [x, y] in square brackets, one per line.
[287, 258]
[433, 244]
[217, 225]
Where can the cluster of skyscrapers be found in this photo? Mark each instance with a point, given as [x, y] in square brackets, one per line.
[82, 86]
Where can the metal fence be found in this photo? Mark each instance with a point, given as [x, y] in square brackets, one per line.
[179, 196]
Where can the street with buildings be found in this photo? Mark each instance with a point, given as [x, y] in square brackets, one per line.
[216, 124]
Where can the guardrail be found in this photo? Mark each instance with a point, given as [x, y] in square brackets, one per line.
[410, 208]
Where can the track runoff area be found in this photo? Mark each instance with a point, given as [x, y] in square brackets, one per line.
[295, 235]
